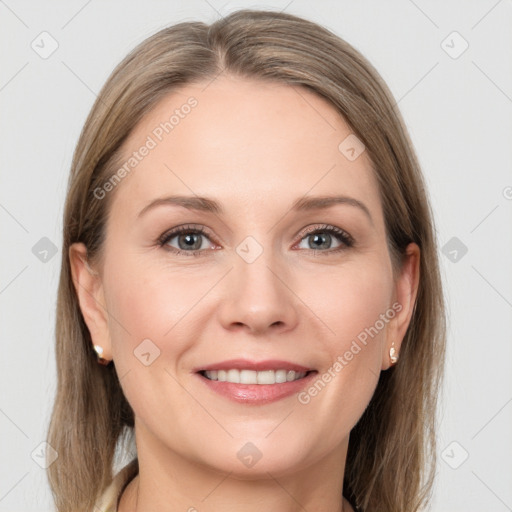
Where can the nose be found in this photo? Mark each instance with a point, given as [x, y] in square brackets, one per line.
[258, 299]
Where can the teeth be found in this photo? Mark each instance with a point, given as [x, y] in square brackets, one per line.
[253, 377]
[233, 376]
[280, 376]
[248, 376]
[266, 377]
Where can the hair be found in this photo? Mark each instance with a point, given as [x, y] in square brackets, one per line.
[391, 456]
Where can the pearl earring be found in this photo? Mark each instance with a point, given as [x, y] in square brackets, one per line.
[99, 352]
[393, 356]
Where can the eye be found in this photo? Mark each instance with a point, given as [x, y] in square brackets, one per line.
[193, 240]
[326, 238]
[186, 239]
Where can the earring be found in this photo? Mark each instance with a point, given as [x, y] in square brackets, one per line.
[393, 356]
[99, 352]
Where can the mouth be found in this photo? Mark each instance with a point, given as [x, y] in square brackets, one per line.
[253, 382]
[262, 378]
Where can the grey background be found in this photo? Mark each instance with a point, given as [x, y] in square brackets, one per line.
[458, 111]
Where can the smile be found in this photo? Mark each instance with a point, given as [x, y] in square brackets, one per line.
[255, 382]
[264, 377]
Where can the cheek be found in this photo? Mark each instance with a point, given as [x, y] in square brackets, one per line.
[151, 310]
[349, 299]
[148, 301]
[355, 304]
[142, 308]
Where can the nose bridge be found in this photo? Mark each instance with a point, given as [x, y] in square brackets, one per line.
[258, 278]
[256, 294]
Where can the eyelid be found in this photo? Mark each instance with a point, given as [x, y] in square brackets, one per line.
[185, 228]
[346, 238]
[168, 235]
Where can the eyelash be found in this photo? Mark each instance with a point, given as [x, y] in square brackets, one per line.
[342, 236]
[190, 230]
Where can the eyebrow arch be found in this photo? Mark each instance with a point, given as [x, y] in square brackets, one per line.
[209, 205]
[318, 203]
[202, 204]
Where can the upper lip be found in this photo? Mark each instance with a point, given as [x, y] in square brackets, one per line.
[245, 364]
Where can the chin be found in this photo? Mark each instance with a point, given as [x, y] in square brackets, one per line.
[246, 459]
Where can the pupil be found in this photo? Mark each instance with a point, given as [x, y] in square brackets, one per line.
[190, 241]
[320, 240]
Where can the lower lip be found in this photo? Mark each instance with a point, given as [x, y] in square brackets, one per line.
[257, 393]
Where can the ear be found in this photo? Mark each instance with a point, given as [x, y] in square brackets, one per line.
[406, 289]
[89, 290]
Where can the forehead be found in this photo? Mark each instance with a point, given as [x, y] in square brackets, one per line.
[252, 144]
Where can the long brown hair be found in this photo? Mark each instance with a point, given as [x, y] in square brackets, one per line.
[391, 457]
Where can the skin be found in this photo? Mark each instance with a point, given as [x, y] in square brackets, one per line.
[255, 148]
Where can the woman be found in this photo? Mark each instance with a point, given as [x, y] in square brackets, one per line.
[249, 254]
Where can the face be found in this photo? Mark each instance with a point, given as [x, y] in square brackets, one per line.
[244, 244]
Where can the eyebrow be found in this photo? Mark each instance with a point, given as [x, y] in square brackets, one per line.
[201, 204]
[319, 203]
[204, 204]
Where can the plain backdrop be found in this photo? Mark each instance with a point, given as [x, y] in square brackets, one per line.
[449, 66]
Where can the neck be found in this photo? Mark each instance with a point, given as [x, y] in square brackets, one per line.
[168, 482]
